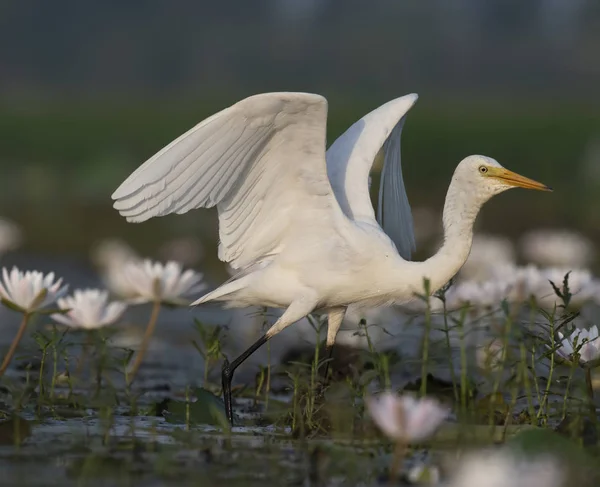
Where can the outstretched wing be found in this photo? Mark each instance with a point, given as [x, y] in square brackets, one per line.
[349, 162]
[260, 161]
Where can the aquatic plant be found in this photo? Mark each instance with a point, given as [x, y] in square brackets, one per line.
[88, 309]
[557, 248]
[152, 282]
[405, 419]
[487, 252]
[27, 293]
[157, 283]
[581, 345]
[506, 469]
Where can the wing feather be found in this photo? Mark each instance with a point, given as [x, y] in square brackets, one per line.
[393, 210]
[261, 162]
[349, 162]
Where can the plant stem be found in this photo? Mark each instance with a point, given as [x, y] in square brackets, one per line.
[590, 393]
[425, 348]
[567, 390]
[14, 344]
[55, 360]
[449, 350]
[550, 374]
[397, 461]
[463, 363]
[145, 341]
[89, 340]
[41, 379]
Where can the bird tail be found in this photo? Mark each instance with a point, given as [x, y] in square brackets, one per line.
[224, 291]
[238, 281]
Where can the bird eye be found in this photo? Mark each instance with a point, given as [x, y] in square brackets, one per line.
[483, 169]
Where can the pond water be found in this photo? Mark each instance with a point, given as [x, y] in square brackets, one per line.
[78, 434]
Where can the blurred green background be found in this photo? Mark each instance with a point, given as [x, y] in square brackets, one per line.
[89, 91]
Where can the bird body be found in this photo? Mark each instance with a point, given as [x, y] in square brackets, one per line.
[296, 221]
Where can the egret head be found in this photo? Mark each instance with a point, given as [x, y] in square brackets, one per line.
[485, 177]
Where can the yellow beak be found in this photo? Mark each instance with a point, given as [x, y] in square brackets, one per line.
[515, 179]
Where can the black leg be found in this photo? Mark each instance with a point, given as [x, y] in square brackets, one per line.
[229, 369]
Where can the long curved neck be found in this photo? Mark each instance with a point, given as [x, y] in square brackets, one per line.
[460, 211]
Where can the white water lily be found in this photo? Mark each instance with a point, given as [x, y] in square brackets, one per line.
[520, 284]
[166, 283]
[112, 252]
[405, 418]
[159, 284]
[111, 256]
[584, 342]
[89, 309]
[487, 253]
[562, 248]
[29, 291]
[506, 469]
[484, 295]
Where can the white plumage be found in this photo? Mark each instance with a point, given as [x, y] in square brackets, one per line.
[295, 221]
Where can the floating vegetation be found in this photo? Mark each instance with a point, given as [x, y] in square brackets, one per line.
[475, 386]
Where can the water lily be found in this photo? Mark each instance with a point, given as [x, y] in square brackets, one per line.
[159, 284]
[487, 253]
[584, 342]
[562, 248]
[89, 309]
[483, 296]
[112, 256]
[28, 293]
[167, 283]
[405, 419]
[583, 346]
[495, 468]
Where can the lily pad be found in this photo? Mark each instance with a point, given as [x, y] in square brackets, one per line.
[542, 440]
[202, 407]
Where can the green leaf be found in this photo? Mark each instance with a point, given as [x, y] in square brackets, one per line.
[451, 434]
[205, 409]
[13, 306]
[581, 463]
[53, 311]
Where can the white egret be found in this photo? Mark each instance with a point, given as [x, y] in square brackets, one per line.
[296, 221]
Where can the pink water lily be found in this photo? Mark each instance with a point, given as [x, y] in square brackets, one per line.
[405, 418]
